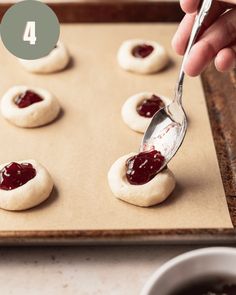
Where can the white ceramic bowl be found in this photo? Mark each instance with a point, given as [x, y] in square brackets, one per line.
[189, 266]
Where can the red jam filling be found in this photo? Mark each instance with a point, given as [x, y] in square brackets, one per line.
[142, 51]
[143, 167]
[14, 175]
[148, 107]
[27, 98]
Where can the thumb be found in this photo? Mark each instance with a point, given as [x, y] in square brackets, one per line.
[191, 6]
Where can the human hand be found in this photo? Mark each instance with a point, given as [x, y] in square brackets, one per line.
[217, 40]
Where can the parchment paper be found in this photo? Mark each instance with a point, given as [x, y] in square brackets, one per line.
[80, 146]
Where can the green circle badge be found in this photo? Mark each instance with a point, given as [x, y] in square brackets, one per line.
[30, 29]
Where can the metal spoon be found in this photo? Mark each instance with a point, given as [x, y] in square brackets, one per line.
[168, 127]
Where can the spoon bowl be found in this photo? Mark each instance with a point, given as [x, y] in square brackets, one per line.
[166, 131]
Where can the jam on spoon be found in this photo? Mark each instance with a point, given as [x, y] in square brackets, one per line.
[142, 51]
[14, 175]
[141, 168]
[27, 98]
[149, 106]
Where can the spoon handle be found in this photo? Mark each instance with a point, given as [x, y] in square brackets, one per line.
[199, 19]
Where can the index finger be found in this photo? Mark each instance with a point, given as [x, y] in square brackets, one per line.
[191, 6]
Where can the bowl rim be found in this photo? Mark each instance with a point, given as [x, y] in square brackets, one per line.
[147, 288]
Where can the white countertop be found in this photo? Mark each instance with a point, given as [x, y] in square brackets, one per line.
[114, 270]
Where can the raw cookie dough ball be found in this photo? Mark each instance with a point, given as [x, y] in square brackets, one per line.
[129, 111]
[29, 106]
[55, 61]
[23, 185]
[151, 193]
[141, 56]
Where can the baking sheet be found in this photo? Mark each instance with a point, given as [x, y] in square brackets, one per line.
[90, 135]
